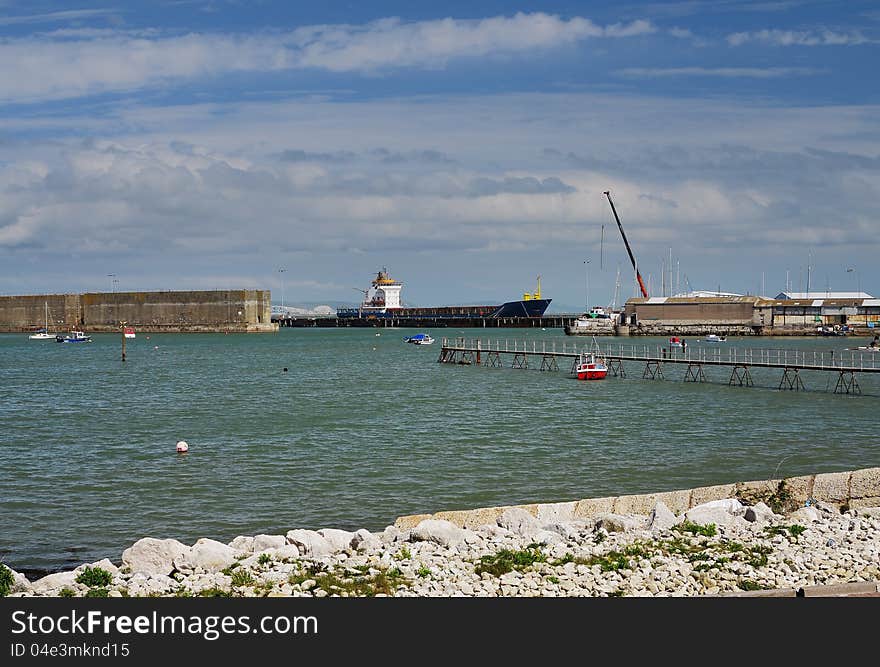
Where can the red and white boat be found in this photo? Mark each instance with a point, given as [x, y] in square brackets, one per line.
[675, 341]
[129, 332]
[591, 367]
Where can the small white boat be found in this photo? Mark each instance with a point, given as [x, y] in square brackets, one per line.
[419, 339]
[712, 338]
[43, 334]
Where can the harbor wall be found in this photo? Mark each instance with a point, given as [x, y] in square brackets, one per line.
[844, 490]
[234, 311]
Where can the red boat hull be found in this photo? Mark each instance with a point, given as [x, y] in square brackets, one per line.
[595, 373]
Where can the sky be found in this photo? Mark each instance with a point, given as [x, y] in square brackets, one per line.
[465, 146]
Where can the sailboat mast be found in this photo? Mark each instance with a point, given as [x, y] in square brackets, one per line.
[628, 249]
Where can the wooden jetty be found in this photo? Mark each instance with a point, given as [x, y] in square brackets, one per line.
[547, 356]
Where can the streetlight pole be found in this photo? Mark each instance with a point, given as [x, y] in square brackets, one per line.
[282, 290]
[858, 278]
[112, 277]
[587, 268]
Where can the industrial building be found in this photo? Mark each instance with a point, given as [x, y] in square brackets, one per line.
[746, 315]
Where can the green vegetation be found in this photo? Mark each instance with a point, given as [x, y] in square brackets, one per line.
[553, 580]
[228, 570]
[696, 529]
[66, 593]
[781, 501]
[749, 585]
[354, 582]
[264, 559]
[214, 593]
[98, 593]
[424, 571]
[242, 577]
[506, 561]
[403, 554]
[183, 593]
[94, 577]
[794, 530]
[6, 580]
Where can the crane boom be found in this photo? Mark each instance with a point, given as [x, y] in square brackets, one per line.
[628, 249]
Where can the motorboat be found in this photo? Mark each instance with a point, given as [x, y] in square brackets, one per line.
[712, 338]
[675, 341]
[419, 339]
[73, 337]
[591, 367]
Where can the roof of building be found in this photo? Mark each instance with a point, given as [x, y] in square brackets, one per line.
[817, 294]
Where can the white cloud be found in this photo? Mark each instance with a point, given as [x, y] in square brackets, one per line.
[55, 17]
[70, 64]
[798, 38]
[195, 189]
[724, 72]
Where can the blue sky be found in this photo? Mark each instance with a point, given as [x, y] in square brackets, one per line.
[465, 146]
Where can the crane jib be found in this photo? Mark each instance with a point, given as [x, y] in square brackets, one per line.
[628, 249]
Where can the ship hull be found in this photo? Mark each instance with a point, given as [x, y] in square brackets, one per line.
[526, 308]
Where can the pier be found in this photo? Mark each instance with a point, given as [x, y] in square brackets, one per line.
[548, 355]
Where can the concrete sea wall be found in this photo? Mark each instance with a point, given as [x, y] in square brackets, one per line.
[178, 311]
[844, 490]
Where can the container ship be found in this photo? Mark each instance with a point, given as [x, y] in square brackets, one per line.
[382, 302]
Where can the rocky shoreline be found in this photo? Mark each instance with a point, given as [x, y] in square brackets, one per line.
[719, 547]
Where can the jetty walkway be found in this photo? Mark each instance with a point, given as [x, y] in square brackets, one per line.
[547, 355]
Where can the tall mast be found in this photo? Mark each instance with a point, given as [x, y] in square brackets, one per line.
[628, 249]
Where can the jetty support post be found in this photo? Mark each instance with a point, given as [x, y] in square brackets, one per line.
[694, 372]
[847, 384]
[653, 370]
[791, 380]
[122, 328]
[740, 376]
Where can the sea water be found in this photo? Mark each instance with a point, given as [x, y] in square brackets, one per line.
[362, 428]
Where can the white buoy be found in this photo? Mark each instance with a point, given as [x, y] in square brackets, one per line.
[182, 447]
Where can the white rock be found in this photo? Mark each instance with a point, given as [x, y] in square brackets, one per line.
[20, 583]
[142, 585]
[731, 505]
[310, 543]
[546, 537]
[53, 582]
[209, 555]
[438, 531]
[263, 542]
[759, 512]
[153, 556]
[364, 540]
[661, 517]
[618, 523]
[340, 539]
[719, 515]
[390, 535]
[519, 521]
[243, 544]
[493, 530]
[873, 512]
[805, 515]
[284, 551]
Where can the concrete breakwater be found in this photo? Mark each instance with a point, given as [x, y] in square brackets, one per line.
[818, 530]
[233, 311]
